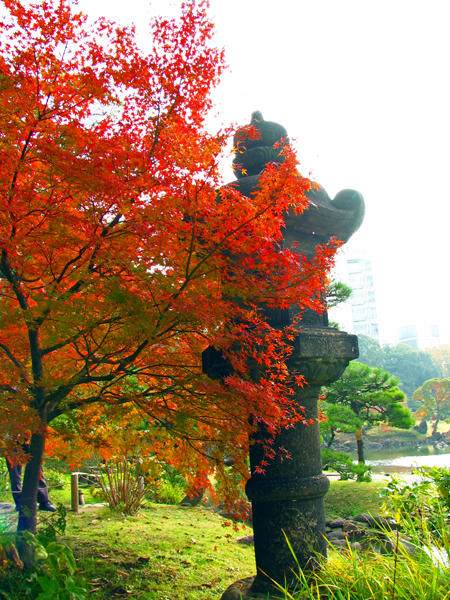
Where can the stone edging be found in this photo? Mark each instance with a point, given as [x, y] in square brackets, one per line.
[362, 532]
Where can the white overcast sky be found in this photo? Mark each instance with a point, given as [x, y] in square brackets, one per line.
[363, 89]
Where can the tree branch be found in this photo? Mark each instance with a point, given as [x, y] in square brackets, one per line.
[77, 335]
[15, 361]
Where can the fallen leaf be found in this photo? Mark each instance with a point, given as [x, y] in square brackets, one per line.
[123, 573]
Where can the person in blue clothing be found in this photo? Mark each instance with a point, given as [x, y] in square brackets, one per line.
[15, 477]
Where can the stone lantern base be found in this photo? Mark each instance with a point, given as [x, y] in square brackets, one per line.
[241, 590]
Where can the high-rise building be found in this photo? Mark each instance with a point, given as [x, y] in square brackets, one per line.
[419, 336]
[359, 313]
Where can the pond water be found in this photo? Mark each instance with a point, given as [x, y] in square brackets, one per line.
[405, 459]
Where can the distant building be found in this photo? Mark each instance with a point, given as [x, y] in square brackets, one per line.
[419, 336]
[359, 314]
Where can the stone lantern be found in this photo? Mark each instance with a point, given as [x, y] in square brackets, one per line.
[288, 500]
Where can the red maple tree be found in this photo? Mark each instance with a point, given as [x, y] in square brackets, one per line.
[119, 263]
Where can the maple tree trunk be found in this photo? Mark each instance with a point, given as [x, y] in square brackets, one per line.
[27, 516]
[360, 446]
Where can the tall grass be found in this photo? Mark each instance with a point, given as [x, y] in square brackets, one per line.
[417, 569]
[122, 485]
[412, 572]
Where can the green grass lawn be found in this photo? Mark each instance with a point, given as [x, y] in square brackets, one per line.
[348, 498]
[165, 553]
[175, 552]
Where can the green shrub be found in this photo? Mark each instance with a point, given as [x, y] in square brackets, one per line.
[53, 575]
[441, 478]
[4, 478]
[342, 463]
[170, 488]
[56, 464]
[422, 508]
[55, 478]
[166, 492]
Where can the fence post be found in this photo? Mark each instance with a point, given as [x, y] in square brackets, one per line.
[74, 492]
